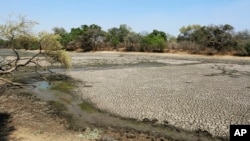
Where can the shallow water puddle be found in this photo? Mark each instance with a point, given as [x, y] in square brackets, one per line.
[42, 85]
[58, 92]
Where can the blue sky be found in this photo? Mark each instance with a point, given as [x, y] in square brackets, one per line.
[140, 15]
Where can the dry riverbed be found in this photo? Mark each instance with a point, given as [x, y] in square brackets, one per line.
[203, 94]
[188, 91]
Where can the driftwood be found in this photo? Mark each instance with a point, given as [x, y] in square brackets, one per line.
[13, 66]
[10, 31]
[16, 84]
[14, 63]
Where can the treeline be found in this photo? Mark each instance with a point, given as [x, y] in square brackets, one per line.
[197, 39]
[214, 39]
[92, 37]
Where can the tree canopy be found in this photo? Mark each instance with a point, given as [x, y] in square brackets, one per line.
[220, 38]
[155, 41]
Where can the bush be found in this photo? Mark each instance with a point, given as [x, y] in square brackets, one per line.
[64, 58]
[173, 46]
[190, 46]
[243, 48]
[153, 44]
[134, 47]
[3, 43]
[247, 48]
[27, 43]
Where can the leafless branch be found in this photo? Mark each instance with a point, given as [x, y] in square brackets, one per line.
[16, 84]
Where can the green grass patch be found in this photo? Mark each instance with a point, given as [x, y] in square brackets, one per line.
[63, 86]
[87, 107]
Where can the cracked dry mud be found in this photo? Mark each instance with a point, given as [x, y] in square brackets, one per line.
[189, 92]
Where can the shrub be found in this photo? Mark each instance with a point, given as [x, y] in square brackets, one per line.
[243, 48]
[153, 44]
[247, 48]
[64, 58]
[190, 46]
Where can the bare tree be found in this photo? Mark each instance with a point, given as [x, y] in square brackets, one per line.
[49, 46]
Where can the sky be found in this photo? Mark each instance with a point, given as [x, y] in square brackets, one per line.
[141, 15]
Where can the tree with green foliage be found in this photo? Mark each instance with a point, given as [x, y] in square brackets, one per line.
[243, 40]
[187, 33]
[92, 36]
[52, 49]
[65, 37]
[155, 41]
[124, 30]
[49, 46]
[3, 43]
[159, 33]
[59, 30]
[219, 38]
[27, 43]
[243, 35]
[87, 37]
[133, 41]
[113, 36]
[246, 48]
[119, 35]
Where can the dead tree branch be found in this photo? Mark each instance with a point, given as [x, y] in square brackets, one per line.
[16, 84]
